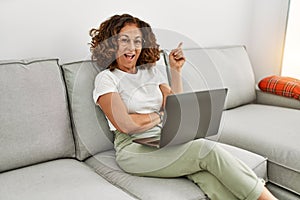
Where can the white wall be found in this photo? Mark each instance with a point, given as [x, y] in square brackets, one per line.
[59, 28]
[291, 59]
[266, 36]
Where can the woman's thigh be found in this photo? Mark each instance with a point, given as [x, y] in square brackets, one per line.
[170, 161]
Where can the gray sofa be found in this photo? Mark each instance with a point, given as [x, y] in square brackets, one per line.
[55, 143]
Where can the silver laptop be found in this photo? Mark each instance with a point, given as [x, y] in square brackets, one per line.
[189, 116]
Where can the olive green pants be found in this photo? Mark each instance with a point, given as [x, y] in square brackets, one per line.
[219, 174]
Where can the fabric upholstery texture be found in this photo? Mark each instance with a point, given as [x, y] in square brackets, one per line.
[280, 85]
[269, 131]
[160, 188]
[34, 117]
[60, 179]
[276, 100]
[92, 134]
[281, 193]
[222, 67]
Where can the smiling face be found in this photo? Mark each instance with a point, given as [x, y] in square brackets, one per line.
[130, 41]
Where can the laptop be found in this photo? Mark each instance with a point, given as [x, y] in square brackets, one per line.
[189, 116]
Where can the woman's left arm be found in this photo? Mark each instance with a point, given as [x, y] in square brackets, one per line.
[176, 60]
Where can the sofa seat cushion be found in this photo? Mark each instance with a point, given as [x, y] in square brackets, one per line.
[270, 131]
[60, 179]
[163, 188]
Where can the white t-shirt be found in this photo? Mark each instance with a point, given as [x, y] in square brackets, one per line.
[140, 92]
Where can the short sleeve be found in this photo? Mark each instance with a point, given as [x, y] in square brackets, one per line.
[105, 82]
[161, 77]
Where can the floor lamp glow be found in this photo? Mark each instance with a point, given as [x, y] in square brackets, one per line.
[291, 55]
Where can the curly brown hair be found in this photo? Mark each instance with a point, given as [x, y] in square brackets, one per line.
[104, 42]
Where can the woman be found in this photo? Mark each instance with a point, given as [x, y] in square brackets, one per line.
[132, 94]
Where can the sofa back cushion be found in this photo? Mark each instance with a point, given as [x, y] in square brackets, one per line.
[91, 131]
[35, 124]
[229, 67]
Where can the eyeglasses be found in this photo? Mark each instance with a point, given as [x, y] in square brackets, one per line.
[125, 41]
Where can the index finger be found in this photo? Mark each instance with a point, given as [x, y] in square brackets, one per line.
[179, 45]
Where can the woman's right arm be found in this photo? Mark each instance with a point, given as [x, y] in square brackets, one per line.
[116, 111]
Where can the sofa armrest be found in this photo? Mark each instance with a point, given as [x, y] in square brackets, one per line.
[276, 100]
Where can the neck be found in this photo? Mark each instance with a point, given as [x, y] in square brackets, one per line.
[132, 70]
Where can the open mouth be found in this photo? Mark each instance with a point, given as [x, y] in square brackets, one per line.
[129, 56]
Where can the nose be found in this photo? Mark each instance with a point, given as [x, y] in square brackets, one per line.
[131, 45]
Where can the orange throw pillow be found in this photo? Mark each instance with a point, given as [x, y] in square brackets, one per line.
[284, 86]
